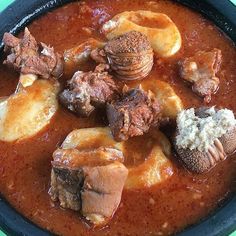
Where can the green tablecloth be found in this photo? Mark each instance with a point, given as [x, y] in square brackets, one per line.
[5, 3]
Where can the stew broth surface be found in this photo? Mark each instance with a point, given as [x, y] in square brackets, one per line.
[183, 199]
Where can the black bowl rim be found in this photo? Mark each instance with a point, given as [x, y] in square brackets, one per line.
[20, 13]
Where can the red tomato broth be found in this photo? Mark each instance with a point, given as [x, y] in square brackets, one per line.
[163, 209]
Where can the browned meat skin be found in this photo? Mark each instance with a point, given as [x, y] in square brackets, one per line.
[201, 70]
[130, 56]
[88, 181]
[200, 162]
[87, 90]
[29, 57]
[133, 115]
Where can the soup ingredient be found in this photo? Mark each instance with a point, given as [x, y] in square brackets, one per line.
[28, 111]
[93, 187]
[130, 55]
[160, 30]
[87, 90]
[80, 54]
[201, 70]
[205, 136]
[156, 168]
[198, 129]
[90, 180]
[133, 114]
[170, 102]
[29, 57]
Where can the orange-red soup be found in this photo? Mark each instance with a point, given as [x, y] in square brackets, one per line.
[164, 209]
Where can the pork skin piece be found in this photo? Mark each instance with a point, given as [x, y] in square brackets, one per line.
[89, 181]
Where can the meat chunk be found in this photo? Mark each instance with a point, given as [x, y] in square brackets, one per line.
[89, 181]
[130, 55]
[205, 137]
[87, 90]
[201, 70]
[133, 115]
[29, 57]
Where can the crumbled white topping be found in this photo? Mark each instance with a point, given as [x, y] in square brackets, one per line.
[200, 133]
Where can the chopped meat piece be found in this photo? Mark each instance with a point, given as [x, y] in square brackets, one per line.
[86, 90]
[201, 70]
[29, 57]
[133, 115]
[89, 181]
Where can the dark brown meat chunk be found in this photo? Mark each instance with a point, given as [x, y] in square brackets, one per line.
[29, 57]
[87, 90]
[201, 70]
[88, 181]
[133, 115]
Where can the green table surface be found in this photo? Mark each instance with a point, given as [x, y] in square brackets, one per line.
[3, 5]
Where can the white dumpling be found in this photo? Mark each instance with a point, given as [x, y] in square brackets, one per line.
[29, 110]
[161, 31]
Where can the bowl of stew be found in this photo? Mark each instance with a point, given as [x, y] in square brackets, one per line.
[117, 118]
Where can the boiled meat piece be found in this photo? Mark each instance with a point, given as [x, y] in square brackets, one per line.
[28, 56]
[205, 137]
[89, 181]
[130, 56]
[133, 114]
[200, 70]
[87, 90]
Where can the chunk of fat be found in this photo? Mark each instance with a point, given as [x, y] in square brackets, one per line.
[29, 110]
[155, 169]
[165, 38]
